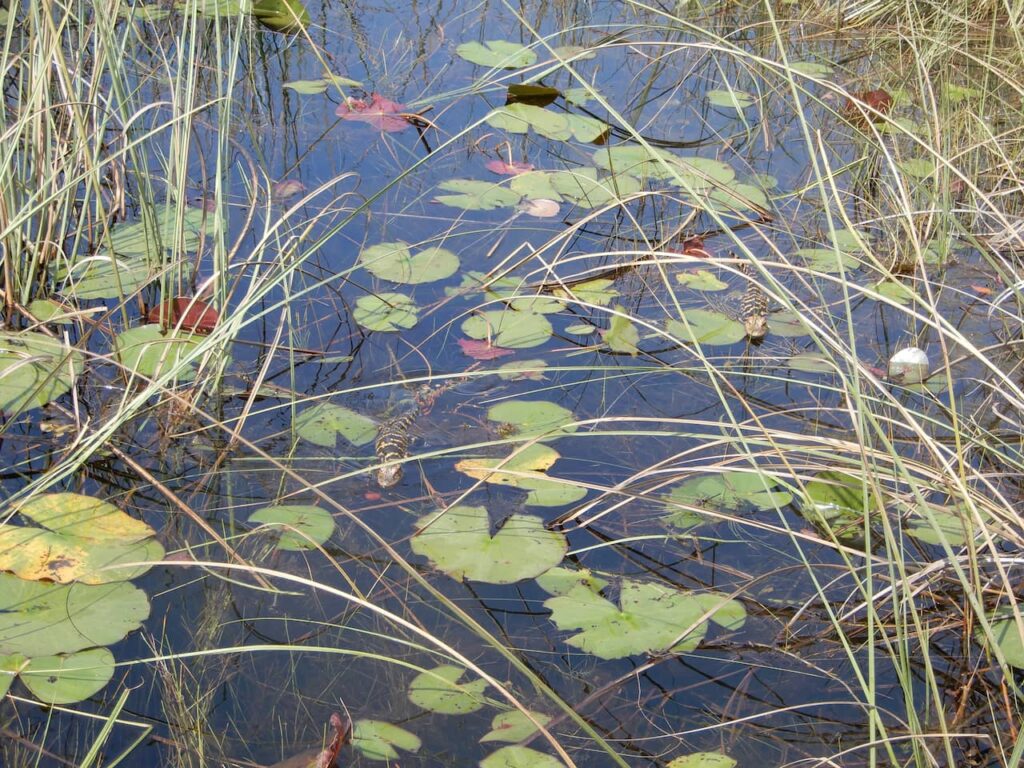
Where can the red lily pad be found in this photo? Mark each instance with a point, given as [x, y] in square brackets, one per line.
[190, 314]
[383, 114]
[511, 168]
[878, 100]
[480, 349]
[692, 246]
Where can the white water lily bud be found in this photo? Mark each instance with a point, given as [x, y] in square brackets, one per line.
[909, 366]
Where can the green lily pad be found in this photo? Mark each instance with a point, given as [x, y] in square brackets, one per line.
[811, 362]
[811, 68]
[649, 618]
[377, 740]
[581, 329]
[707, 327]
[10, 666]
[834, 501]
[34, 369]
[386, 312]
[82, 539]
[70, 678]
[533, 418]
[702, 760]
[701, 280]
[737, 198]
[459, 542]
[541, 305]
[848, 240]
[517, 756]
[828, 261]
[303, 526]
[917, 168]
[561, 581]
[599, 292]
[104, 277]
[395, 262]
[621, 336]
[322, 424]
[38, 618]
[472, 195]
[281, 15]
[535, 185]
[525, 469]
[439, 690]
[726, 491]
[513, 726]
[508, 328]
[586, 189]
[939, 524]
[789, 324]
[497, 53]
[522, 369]
[559, 126]
[50, 311]
[1007, 636]
[145, 240]
[731, 99]
[895, 291]
[638, 161]
[313, 87]
[702, 172]
[150, 351]
[577, 96]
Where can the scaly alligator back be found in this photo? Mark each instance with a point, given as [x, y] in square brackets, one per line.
[754, 307]
[393, 445]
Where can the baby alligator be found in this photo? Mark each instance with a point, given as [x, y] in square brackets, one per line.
[392, 445]
[754, 308]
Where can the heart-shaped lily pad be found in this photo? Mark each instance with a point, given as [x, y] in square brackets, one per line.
[281, 15]
[587, 189]
[649, 618]
[459, 542]
[518, 756]
[38, 618]
[386, 312]
[599, 292]
[471, 195]
[68, 678]
[731, 99]
[324, 422]
[730, 490]
[34, 369]
[150, 351]
[621, 336]
[439, 690]
[509, 328]
[561, 581]
[1007, 636]
[497, 53]
[560, 126]
[303, 526]
[701, 280]
[514, 726]
[828, 261]
[703, 760]
[835, 502]
[82, 539]
[525, 469]
[706, 327]
[533, 418]
[104, 277]
[395, 262]
[378, 740]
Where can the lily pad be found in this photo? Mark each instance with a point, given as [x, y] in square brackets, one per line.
[559, 126]
[509, 328]
[727, 491]
[143, 239]
[938, 524]
[68, 679]
[561, 581]
[586, 189]
[513, 726]
[525, 469]
[149, 351]
[322, 424]
[811, 68]
[621, 336]
[387, 312]
[895, 291]
[50, 311]
[497, 53]
[104, 277]
[395, 262]
[541, 305]
[599, 292]
[523, 369]
[517, 756]
[917, 168]
[703, 760]
[281, 15]
[459, 542]
[731, 99]
[377, 740]
[835, 502]
[1007, 636]
[701, 280]
[313, 87]
[439, 690]
[533, 418]
[789, 324]
[737, 198]
[811, 362]
[39, 618]
[303, 526]
[535, 185]
[10, 666]
[848, 240]
[34, 369]
[649, 618]
[705, 326]
[472, 195]
[638, 161]
[828, 261]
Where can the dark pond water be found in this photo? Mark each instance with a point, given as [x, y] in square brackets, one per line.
[653, 410]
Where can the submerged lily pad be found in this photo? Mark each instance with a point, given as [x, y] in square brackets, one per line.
[703, 760]
[150, 351]
[322, 424]
[509, 328]
[895, 291]
[707, 327]
[303, 526]
[811, 362]
[731, 99]
[514, 726]
[518, 756]
[386, 312]
[34, 369]
[649, 618]
[472, 195]
[378, 740]
[938, 524]
[497, 53]
[68, 679]
[439, 690]
[395, 262]
[459, 542]
[39, 618]
[789, 324]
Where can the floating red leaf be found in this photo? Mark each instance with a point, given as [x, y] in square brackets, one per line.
[982, 290]
[878, 100]
[286, 188]
[191, 314]
[383, 114]
[480, 349]
[692, 246]
[511, 168]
